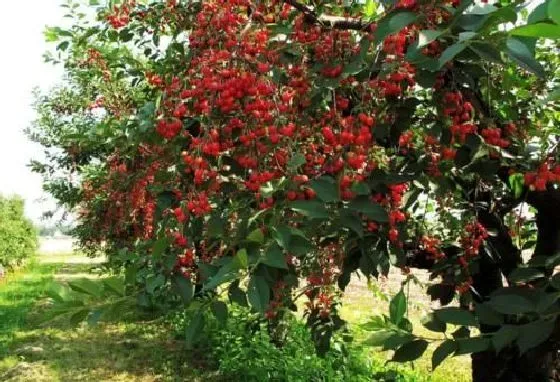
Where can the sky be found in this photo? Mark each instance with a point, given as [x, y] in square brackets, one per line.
[22, 69]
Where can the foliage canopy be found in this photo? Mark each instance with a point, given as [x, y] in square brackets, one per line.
[269, 150]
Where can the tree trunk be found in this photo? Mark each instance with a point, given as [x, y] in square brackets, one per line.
[542, 363]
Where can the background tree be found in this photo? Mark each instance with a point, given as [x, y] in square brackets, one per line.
[18, 238]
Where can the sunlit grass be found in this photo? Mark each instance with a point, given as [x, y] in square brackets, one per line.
[146, 351]
[360, 305]
[18, 293]
[31, 350]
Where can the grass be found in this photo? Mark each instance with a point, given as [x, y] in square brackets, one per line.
[18, 293]
[139, 350]
[123, 351]
[360, 305]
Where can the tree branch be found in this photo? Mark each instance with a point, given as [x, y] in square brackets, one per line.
[336, 22]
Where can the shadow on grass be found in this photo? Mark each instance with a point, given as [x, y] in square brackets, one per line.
[31, 350]
[138, 351]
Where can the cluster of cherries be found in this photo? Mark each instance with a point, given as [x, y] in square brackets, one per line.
[279, 292]
[120, 15]
[321, 280]
[432, 246]
[494, 136]
[461, 114]
[546, 173]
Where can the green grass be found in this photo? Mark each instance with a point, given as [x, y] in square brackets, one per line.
[31, 350]
[360, 304]
[142, 350]
[18, 294]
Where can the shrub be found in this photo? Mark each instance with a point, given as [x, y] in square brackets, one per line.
[18, 240]
[242, 350]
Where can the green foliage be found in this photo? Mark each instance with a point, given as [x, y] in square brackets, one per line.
[86, 299]
[18, 238]
[243, 349]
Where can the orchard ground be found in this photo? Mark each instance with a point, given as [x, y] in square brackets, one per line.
[144, 350]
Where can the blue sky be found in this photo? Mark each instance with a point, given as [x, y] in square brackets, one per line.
[21, 70]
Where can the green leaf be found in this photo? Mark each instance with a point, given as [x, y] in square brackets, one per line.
[538, 30]
[456, 316]
[283, 235]
[517, 184]
[184, 287]
[487, 315]
[313, 209]
[465, 36]
[296, 161]
[379, 337]
[553, 95]
[154, 282]
[236, 295]
[52, 34]
[511, 304]
[93, 2]
[274, 257]
[410, 351]
[534, 333]
[256, 236]
[360, 188]
[481, 9]
[554, 10]
[472, 345]
[397, 307]
[538, 14]
[369, 8]
[242, 258]
[393, 23]
[63, 45]
[462, 332]
[299, 245]
[397, 339]
[160, 245]
[352, 221]
[546, 300]
[369, 208]
[431, 322]
[326, 189]
[443, 351]
[114, 284]
[356, 65]
[79, 316]
[503, 337]
[216, 226]
[486, 51]
[450, 52]
[220, 311]
[86, 286]
[427, 36]
[258, 293]
[194, 329]
[59, 293]
[227, 272]
[524, 275]
[522, 55]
